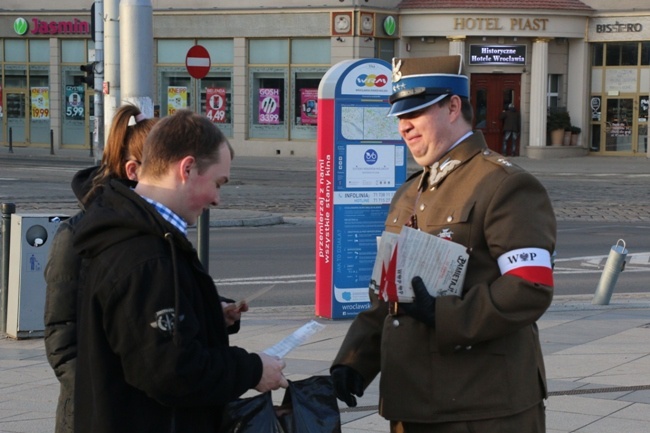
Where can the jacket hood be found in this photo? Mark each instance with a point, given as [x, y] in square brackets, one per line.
[82, 181]
[118, 213]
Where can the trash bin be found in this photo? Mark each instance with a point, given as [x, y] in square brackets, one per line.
[29, 245]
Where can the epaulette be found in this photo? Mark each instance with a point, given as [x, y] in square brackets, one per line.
[496, 158]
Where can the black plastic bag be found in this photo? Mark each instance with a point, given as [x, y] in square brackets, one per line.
[308, 406]
[253, 414]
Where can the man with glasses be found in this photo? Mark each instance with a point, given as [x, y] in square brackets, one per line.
[458, 363]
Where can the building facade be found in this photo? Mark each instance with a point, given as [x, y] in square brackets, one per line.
[544, 56]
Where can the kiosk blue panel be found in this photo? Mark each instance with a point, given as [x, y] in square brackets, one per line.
[362, 162]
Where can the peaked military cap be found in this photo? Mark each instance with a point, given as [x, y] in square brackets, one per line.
[421, 82]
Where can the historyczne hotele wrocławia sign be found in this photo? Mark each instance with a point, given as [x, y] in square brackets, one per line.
[497, 55]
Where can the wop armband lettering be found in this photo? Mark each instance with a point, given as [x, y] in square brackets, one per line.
[531, 264]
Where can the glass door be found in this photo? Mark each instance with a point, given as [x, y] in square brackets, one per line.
[16, 110]
[619, 125]
[644, 106]
[491, 94]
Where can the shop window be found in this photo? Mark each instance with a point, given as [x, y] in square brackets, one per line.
[73, 51]
[310, 51]
[15, 76]
[619, 125]
[16, 50]
[170, 51]
[268, 100]
[269, 51]
[39, 50]
[77, 103]
[211, 95]
[622, 54]
[644, 108]
[175, 90]
[305, 103]
[283, 92]
[645, 53]
[553, 93]
[221, 51]
[39, 104]
[216, 100]
[597, 54]
[385, 49]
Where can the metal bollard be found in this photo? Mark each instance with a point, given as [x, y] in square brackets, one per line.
[91, 144]
[613, 266]
[5, 229]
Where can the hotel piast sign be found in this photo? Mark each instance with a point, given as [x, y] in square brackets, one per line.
[514, 55]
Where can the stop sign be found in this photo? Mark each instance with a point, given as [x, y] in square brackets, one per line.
[197, 61]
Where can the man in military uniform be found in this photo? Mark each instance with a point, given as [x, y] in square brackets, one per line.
[471, 362]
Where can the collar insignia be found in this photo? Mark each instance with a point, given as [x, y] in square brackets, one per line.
[440, 171]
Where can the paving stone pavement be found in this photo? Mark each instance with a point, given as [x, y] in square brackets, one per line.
[597, 357]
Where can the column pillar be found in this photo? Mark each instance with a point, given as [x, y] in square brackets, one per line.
[538, 91]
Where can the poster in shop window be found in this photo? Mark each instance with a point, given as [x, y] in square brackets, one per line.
[308, 106]
[40, 103]
[269, 106]
[215, 104]
[176, 99]
[644, 105]
[74, 102]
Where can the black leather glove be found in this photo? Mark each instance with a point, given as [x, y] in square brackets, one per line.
[347, 381]
[423, 307]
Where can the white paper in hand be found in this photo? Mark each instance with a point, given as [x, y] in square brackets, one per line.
[299, 336]
[439, 262]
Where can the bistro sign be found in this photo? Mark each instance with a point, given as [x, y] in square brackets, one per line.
[497, 55]
[619, 28]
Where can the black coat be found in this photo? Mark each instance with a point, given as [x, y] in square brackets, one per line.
[60, 318]
[153, 350]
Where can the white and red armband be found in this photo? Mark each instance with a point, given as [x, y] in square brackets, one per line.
[531, 264]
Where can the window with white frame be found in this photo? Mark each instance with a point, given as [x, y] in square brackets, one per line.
[284, 75]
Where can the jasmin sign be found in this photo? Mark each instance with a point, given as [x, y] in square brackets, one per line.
[42, 27]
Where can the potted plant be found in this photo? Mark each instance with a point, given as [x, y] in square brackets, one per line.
[556, 123]
[575, 132]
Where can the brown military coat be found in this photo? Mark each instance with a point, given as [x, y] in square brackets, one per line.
[483, 359]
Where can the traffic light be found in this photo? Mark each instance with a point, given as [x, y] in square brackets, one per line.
[89, 79]
[92, 22]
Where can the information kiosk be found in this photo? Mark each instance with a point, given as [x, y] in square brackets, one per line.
[360, 164]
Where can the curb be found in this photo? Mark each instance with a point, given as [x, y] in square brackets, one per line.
[560, 303]
[255, 221]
